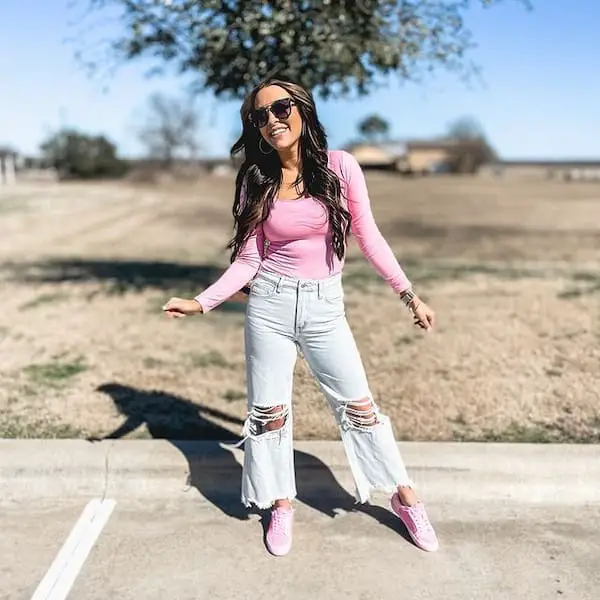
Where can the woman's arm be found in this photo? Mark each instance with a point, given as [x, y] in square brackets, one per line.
[239, 273]
[370, 241]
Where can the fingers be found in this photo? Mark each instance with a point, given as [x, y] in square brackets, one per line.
[431, 319]
[424, 319]
[422, 324]
[174, 309]
[172, 304]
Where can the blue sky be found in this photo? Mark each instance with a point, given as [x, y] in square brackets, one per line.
[539, 96]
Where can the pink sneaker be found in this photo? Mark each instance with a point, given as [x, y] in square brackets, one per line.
[279, 534]
[417, 522]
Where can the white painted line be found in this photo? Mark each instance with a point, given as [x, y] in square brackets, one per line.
[63, 571]
[68, 549]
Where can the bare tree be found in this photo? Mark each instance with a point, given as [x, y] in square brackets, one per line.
[465, 128]
[472, 148]
[171, 129]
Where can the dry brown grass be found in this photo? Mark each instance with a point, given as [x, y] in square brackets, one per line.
[512, 270]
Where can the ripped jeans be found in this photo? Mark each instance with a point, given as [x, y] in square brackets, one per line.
[285, 315]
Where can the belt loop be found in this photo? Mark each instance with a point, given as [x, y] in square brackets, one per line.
[278, 286]
[320, 285]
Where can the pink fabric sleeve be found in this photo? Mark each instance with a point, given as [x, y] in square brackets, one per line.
[370, 240]
[239, 273]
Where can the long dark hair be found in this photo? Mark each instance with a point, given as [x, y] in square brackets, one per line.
[260, 173]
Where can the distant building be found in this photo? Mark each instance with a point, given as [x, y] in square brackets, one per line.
[385, 155]
[439, 156]
[410, 156]
[430, 156]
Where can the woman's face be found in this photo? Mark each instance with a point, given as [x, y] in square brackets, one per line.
[277, 118]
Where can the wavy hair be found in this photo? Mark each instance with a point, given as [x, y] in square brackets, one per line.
[259, 177]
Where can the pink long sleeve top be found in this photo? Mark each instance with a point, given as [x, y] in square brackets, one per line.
[299, 240]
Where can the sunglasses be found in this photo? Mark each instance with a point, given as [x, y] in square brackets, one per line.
[281, 109]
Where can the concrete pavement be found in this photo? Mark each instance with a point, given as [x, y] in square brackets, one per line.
[514, 521]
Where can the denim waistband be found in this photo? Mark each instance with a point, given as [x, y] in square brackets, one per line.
[285, 281]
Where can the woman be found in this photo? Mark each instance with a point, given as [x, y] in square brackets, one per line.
[295, 205]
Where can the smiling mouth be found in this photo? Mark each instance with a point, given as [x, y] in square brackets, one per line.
[278, 131]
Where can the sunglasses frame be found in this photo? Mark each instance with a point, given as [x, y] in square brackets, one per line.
[265, 110]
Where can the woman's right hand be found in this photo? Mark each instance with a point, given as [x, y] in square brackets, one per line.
[181, 307]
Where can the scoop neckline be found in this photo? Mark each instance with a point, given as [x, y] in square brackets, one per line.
[292, 200]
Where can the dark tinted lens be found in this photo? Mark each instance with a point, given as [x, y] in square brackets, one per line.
[260, 117]
[282, 108]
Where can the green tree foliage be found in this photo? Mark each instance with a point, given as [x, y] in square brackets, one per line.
[373, 128]
[77, 155]
[330, 46]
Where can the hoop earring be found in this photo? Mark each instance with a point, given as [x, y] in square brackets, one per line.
[260, 147]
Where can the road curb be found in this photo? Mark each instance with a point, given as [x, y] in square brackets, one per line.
[443, 472]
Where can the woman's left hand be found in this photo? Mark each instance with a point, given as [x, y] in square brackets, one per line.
[424, 317]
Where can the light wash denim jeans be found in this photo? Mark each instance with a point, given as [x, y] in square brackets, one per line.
[285, 315]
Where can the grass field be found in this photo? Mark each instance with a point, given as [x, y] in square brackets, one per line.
[511, 268]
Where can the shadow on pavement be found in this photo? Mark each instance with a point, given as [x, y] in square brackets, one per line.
[183, 423]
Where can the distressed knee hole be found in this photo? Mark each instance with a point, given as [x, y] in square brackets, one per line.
[361, 414]
[264, 419]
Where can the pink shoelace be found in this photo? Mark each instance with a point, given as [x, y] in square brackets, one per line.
[420, 519]
[281, 523]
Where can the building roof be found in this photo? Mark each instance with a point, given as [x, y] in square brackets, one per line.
[402, 146]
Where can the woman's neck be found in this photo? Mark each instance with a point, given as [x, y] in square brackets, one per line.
[290, 159]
